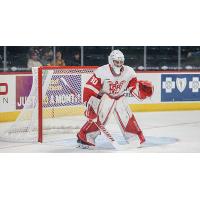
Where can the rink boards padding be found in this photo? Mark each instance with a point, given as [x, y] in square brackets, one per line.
[164, 107]
[78, 110]
[172, 91]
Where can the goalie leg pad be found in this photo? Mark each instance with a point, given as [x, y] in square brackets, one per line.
[133, 128]
[105, 109]
[127, 121]
[88, 133]
[92, 106]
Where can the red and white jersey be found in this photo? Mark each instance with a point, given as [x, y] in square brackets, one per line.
[104, 80]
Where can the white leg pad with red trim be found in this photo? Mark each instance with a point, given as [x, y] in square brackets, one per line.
[105, 109]
[88, 133]
[127, 121]
[92, 136]
[94, 103]
[92, 107]
[122, 112]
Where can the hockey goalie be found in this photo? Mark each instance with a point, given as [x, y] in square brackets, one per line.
[103, 96]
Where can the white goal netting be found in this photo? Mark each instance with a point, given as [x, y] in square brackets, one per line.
[61, 102]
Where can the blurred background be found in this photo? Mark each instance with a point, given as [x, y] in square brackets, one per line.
[141, 58]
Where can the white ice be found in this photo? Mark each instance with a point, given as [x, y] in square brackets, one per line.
[173, 131]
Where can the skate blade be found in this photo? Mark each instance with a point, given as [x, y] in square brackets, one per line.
[85, 146]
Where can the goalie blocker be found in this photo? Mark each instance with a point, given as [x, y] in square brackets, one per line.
[104, 96]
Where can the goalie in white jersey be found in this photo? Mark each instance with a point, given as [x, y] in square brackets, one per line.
[104, 96]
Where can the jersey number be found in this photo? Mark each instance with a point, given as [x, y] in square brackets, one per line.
[94, 80]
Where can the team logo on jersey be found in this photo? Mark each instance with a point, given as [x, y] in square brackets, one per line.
[115, 87]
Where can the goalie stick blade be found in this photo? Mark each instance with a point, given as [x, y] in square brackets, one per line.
[114, 143]
[102, 129]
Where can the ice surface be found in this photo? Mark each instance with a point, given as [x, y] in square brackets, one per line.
[164, 132]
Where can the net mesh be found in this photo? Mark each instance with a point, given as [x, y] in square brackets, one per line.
[61, 101]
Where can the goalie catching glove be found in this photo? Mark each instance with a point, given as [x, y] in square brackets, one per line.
[145, 89]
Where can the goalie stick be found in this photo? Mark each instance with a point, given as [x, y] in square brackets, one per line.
[138, 98]
[115, 144]
[107, 134]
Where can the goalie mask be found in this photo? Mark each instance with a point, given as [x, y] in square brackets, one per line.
[116, 61]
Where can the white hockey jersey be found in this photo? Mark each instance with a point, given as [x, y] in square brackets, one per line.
[104, 80]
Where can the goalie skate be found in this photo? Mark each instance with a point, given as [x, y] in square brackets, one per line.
[84, 146]
[88, 134]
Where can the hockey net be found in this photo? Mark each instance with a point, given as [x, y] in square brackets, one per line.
[54, 100]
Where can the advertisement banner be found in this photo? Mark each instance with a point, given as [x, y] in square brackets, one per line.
[7, 93]
[23, 88]
[64, 90]
[180, 87]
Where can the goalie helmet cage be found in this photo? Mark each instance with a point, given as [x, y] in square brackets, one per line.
[56, 94]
